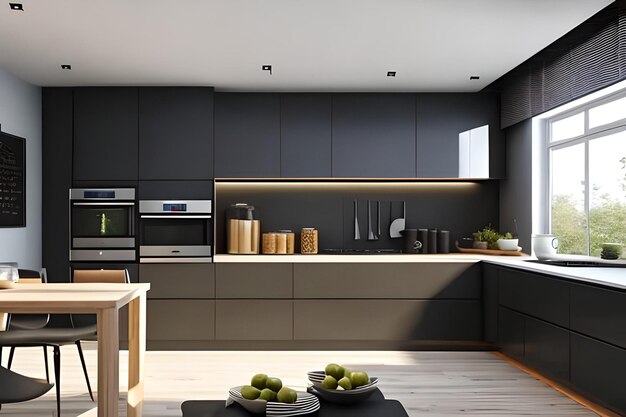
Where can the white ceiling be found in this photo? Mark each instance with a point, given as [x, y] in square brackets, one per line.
[313, 45]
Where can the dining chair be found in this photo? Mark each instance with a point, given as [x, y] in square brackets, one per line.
[16, 388]
[83, 328]
[28, 321]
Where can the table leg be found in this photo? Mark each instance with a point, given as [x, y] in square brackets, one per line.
[136, 353]
[108, 363]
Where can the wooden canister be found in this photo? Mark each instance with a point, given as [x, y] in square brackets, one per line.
[245, 236]
[269, 243]
[281, 243]
[233, 236]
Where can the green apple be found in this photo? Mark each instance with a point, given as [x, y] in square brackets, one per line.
[329, 382]
[345, 383]
[334, 370]
[359, 378]
[250, 393]
[259, 381]
[274, 384]
[287, 395]
[267, 395]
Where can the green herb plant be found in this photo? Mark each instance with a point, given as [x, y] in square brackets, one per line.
[491, 236]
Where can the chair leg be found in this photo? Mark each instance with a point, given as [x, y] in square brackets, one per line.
[45, 360]
[11, 353]
[82, 361]
[57, 376]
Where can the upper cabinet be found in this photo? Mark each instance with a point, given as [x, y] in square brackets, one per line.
[105, 134]
[373, 135]
[247, 135]
[176, 133]
[305, 134]
[441, 118]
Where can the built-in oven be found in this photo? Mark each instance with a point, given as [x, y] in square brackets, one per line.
[102, 224]
[175, 231]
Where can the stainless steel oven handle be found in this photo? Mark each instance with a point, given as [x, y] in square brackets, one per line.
[165, 216]
[120, 203]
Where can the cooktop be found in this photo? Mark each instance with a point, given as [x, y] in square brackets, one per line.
[334, 251]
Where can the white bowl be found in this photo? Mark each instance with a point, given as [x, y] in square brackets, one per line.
[508, 244]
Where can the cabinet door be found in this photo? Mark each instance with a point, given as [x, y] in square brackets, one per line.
[247, 135]
[254, 320]
[598, 371]
[537, 295]
[179, 280]
[387, 280]
[175, 133]
[305, 131]
[546, 348]
[599, 313]
[105, 134]
[373, 135]
[180, 320]
[440, 119]
[254, 281]
[490, 302]
[511, 333]
[386, 320]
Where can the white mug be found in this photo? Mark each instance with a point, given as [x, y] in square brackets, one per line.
[544, 246]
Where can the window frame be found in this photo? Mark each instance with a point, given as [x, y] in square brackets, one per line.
[585, 138]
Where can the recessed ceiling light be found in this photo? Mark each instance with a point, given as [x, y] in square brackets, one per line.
[66, 67]
[474, 77]
[267, 68]
[391, 73]
[16, 6]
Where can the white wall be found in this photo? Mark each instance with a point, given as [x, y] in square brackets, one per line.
[20, 115]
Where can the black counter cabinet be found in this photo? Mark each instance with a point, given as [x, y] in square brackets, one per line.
[574, 333]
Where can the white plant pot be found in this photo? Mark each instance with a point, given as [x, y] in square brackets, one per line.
[508, 244]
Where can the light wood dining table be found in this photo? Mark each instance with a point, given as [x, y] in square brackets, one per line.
[104, 300]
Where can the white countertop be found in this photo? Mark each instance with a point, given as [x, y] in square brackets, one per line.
[391, 258]
[611, 277]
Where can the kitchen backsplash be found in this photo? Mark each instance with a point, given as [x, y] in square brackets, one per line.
[458, 206]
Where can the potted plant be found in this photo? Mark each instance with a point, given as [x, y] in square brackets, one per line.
[486, 238]
[506, 242]
[611, 250]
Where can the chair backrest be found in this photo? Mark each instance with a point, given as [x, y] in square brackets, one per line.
[119, 276]
[29, 321]
[113, 276]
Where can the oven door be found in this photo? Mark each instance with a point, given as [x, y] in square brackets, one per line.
[175, 238]
[102, 224]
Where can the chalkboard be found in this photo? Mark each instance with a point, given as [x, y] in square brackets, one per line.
[12, 181]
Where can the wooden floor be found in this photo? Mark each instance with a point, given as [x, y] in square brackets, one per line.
[438, 384]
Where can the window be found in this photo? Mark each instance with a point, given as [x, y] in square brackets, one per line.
[586, 186]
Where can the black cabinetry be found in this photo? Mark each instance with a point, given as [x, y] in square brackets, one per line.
[373, 135]
[247, 135]
[105, 134]
[598, 371]
[305, 132]
[440, 119]
[175, 133]
[571, 332]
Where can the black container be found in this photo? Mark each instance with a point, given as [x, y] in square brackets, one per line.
[443, 241]
[432, 241]
[412, 242]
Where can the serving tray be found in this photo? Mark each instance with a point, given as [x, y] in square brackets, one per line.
[517, 252]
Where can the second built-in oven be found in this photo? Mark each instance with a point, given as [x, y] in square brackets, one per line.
[175, 231]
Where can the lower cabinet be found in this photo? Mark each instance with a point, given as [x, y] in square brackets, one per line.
[254, 320]
[546, 347]
[598, 371]
[511, 333]
[180, 320]
[386, 320]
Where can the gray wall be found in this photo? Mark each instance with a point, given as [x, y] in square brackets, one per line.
[516, 189]
[20, 115]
